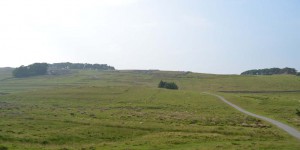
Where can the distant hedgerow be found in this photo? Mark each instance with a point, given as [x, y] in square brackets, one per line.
[168, 85]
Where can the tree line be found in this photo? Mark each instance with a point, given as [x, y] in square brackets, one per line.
[68, 65]
[43, 68]
[271, 71]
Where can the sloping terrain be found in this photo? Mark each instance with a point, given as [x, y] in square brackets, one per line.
[126, 110]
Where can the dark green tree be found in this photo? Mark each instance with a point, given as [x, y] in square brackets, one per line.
[289, 71]
[161, 84]
[22, 71]
[31, 70]
[38, 68]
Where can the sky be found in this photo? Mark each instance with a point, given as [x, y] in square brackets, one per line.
[208, 36]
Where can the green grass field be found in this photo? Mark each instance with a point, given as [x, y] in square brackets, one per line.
[279, 106]
[125, 110]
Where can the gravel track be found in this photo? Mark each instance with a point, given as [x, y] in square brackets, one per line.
[290, 130]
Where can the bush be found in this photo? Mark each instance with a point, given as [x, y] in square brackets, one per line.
[45, 142]
[168, 85]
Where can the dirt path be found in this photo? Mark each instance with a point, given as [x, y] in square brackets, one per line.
[292, 131]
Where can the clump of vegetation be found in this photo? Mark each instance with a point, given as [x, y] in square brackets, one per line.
[298, 112]
[168, 85]
[45, 142]
[31, 70]
[271, 71]
[298, 74]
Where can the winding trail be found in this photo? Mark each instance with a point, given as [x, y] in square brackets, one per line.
[290, 130]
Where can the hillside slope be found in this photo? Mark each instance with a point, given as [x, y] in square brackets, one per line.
[126, 110]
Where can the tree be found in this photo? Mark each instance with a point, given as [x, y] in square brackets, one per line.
[288, 71]
[161, 84]
[22, 71]
[38, 68]
[31, 70]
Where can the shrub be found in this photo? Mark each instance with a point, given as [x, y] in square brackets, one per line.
[168, 85]
[45, 142]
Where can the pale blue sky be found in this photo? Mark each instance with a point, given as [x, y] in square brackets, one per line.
[211, 36]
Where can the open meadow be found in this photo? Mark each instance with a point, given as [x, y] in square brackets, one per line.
[90, 110]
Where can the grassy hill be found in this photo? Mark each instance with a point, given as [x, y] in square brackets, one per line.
[126, 110]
